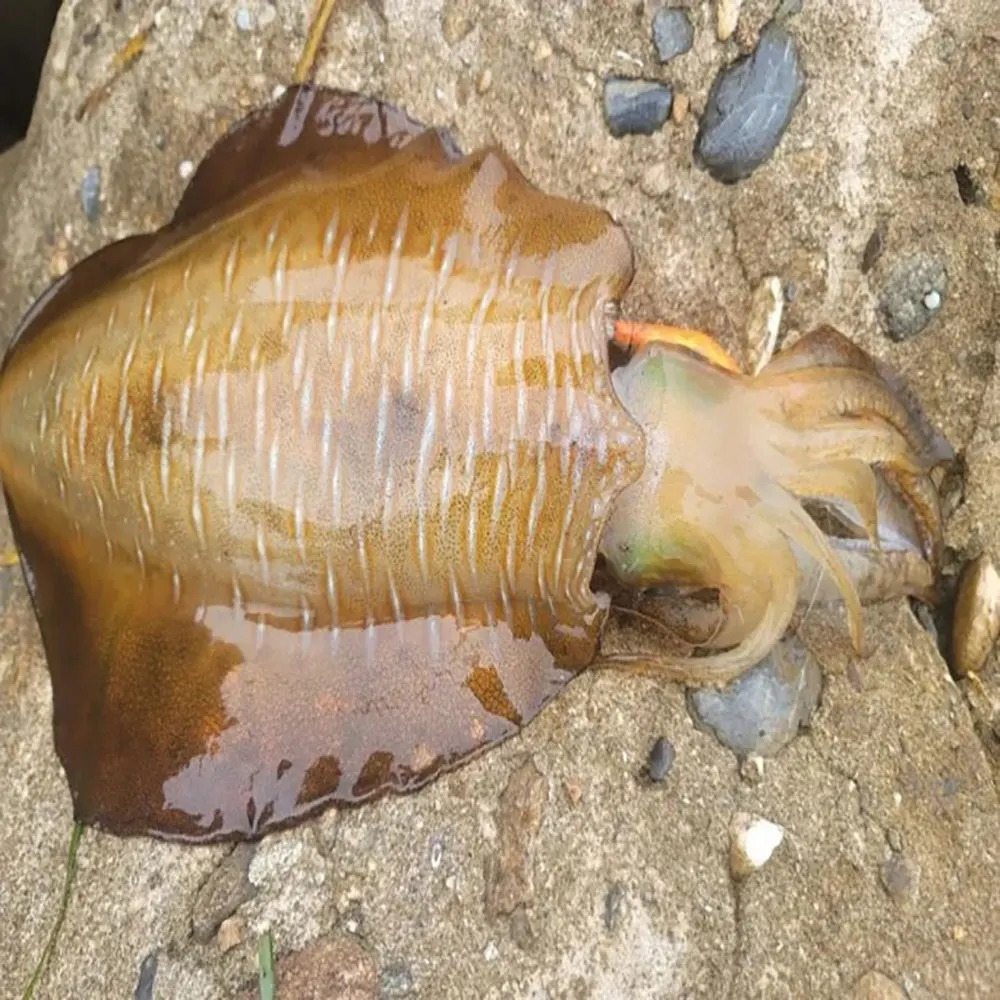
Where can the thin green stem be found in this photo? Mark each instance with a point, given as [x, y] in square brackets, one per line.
[50, 947]
[265, 960]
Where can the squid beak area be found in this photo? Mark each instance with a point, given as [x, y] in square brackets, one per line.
[734, 466]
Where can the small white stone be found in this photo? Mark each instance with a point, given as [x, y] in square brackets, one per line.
[491, 952]
[186, 169]
[160, 17]
[437, 852]
[752, 842]
[267, 15]
[278, 92]
[244, 19]
[932, 301]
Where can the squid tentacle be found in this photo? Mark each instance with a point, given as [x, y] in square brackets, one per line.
[731, 459]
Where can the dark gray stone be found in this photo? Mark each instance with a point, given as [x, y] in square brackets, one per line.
[90, 193]
[875, 246]
[636, 107]
[613, 905]
[395, 980]
[673, 33]
[661, 759]
[762, 711]
[147, 977]
[914, 294]
[749, 107]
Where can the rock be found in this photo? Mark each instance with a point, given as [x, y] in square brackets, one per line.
[763, 323]
[232, 931]
[906, 305]
[727, 16]
[900, 879]
[436, 852]
[521, 931]
[223, 893]
[655, 180]
[331, 968]
[749, 107]
[673, 33]
[613, 905]
[752, 841]
[661, 759]
[976, 622]
[874, 986]
[456, 21]
[682, 105]
[874, 247]
[244, 19]
[762, 711]
[90, 193]
[484, 81]
[635, 107]
[542, 50]
[395, 980]
[147, 977]
[509, 872]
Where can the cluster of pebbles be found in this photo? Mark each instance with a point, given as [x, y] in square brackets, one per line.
[749, 106]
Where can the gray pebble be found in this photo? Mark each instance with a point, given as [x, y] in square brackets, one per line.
[749, 107]
[635, 107]
[874, 247]
[613, 905]
[900, 878]
[673, 33]
[147, 977]
[90, 193]
[395, 980]
[762, 711]
[661, 759]
[244, 19]
[913, 296]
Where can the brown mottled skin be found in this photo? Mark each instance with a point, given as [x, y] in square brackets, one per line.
[311, 498]
[309, 485]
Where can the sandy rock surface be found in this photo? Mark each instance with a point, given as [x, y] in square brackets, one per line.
[551, 868]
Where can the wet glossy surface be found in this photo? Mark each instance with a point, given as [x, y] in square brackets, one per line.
[309, 487]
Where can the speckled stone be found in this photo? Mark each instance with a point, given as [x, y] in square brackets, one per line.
[914, 294]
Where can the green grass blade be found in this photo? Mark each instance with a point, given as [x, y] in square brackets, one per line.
[265, 961]
[50, 946]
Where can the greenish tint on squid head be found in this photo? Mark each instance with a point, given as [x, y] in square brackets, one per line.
[717, 505]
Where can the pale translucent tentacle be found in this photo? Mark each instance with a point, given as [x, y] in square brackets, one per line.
[849, 481]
